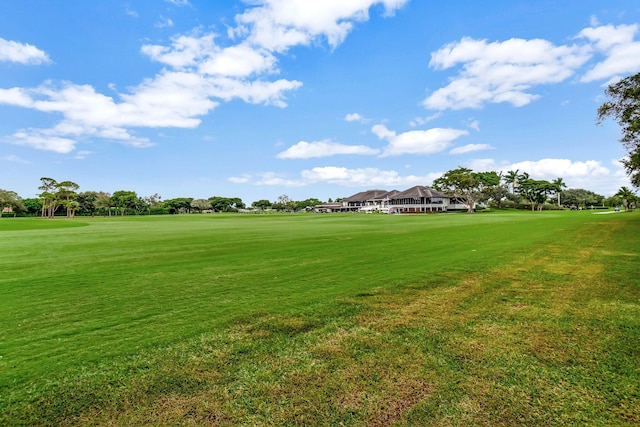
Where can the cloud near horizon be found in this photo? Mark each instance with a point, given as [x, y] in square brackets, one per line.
[336, 175]
[576, 174]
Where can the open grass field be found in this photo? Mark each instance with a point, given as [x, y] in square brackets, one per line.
[493, 319]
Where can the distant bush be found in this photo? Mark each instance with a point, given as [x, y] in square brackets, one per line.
[13, 215]
[159, 211]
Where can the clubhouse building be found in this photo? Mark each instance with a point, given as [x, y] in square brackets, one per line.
[418, 199]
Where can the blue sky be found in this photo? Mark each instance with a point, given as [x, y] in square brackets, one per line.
[255, 99]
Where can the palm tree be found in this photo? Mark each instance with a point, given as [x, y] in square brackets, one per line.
[103, 201]
[627, 196]
[511, 178]
[558, 185]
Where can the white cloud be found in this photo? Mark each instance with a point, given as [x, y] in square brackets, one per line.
[227, 73]
[419, 121]
[345, 177]
[501, 71]
[266, 178]
[506, 71]
[82, 154]
[325, 148]
[240, 60]
[130, 12]
[355, 117]
[164, 22]
[244, 179]
[382, 132]
[486, 165]
[576, 174]
[253, 92]
[364, 177]
[279, 24]
[475, 125]
[546, 168]
[179, 2]
[185, 51]
[553, 168]
[417, 141]
[607, 36]
[469, 148]
[199, 75]
[23, 53]
[589, 174]
[170, 99]
[42, 141]
[16, 96]
[622, 52]
[15, 159]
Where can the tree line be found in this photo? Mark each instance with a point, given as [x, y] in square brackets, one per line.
[511, 189]
[515, 189]
[62, 198]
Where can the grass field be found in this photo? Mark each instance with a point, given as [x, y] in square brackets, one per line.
[502, 318]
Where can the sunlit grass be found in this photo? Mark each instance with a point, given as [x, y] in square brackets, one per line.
[491, 319]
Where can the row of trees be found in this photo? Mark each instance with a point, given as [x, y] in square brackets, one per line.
[479, 187]
[519, 189]
[512, 189]
[54, 197]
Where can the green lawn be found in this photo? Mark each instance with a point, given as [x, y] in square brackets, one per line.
[502, 318]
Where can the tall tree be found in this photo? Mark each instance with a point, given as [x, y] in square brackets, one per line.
[32, 206]
[627, 197]
[522, 177]
[558, 185]
[124, 200]
[261, 204]
[536, 191]
[308, 203]
[153, 201]
[48, 197]
[581, 197]
[66, 194]
[511, 178]
[201, 204]
[465, 183]
[226, 204]
[497, 193]
[624, 107]
[284, 203]
[87, 202]
[178, 205]
[103, 202]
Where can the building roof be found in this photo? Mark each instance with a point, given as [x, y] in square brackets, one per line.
[418, 192]
[329, 206]
[389, 195]
[364, 196]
